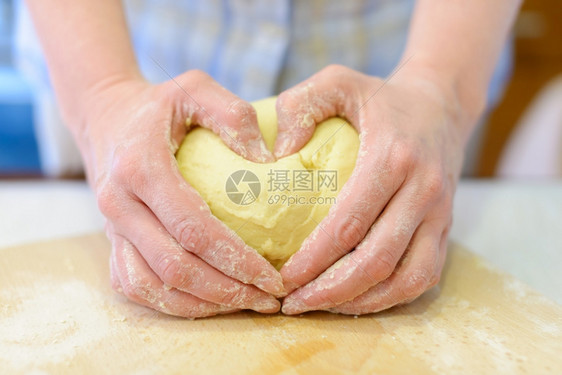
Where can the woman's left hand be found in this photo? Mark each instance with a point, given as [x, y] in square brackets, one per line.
[385, 239]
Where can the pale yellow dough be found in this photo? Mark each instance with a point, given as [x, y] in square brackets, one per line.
[272, 226]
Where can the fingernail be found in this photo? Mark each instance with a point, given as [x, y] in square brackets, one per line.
[266, 157]
[266, 304]
[284, 145]
[265, 153]
[290, 286]
[279, 289]
[259, 151]
[271, 283]
[280, 294]
[293, 306]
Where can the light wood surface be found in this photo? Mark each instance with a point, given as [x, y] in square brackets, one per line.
[58, 314]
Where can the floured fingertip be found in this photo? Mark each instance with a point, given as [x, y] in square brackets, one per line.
[293, 306]
[284, 146]
[271, 283]
[260, 152]
[266, 304]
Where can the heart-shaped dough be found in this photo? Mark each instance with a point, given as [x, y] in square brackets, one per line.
[273, 207]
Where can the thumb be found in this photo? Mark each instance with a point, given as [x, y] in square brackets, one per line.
[324, 95]
[204, 102]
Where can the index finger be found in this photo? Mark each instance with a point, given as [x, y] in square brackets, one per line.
[359, 204]
[380, 170]
[203, 102]
[186, 216]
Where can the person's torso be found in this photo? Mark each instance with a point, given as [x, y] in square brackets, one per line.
[258, 48]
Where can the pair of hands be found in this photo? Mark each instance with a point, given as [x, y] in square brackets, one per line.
[383, 243]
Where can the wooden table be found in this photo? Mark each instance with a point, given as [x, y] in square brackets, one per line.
[58, 314]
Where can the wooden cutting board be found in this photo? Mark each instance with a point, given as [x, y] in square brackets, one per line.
[58, 314]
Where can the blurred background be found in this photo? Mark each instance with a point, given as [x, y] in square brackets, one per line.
[520, 138]
[19, 154]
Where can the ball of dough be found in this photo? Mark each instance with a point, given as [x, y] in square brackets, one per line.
[273, 207]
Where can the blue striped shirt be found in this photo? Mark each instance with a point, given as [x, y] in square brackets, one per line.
[254, 48]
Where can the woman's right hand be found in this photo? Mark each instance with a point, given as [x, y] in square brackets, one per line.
[168, 251]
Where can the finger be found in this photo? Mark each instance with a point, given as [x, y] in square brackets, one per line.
[440, 263]
[373, 260]
[208, 104]
[142, 286]
[185, 271]
[328, 93]
[360, 202]
[113, 274]
[185, 216]
[416, 272]
[375, 180]
[381, 168]
[442, 252]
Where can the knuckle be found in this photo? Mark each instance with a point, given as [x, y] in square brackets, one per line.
[435, 183]
[351, 231]
[385, 262]
[335, 70]
[106, 199]
[197, 76]
[404, 155]
[171, 271]
[240, 111]
[127, 168]
[191, 235]
[415, 284]
[433, 189]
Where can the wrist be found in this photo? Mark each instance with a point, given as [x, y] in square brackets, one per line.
[104, 94]
[464, 98]
[99, 100]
